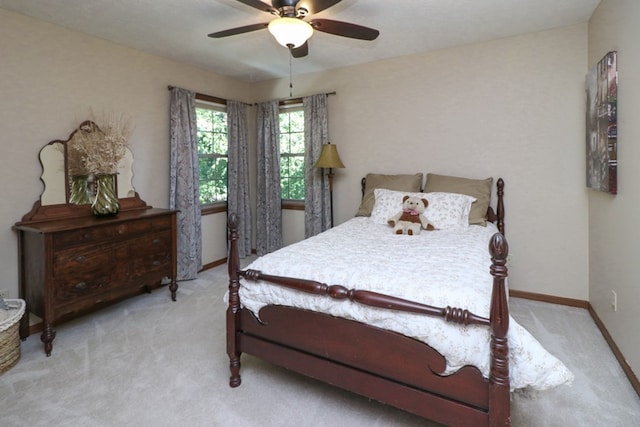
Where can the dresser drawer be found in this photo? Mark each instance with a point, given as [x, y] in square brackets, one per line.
[150, 253]
[81, 261]
[82, 271]
[82, 236]
[149, 244]
[150, 224]
[80, 286]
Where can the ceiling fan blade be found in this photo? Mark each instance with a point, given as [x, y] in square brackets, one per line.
[238, 30]
[344, 29]
[315, 6]
[299, 52]
[257, 4]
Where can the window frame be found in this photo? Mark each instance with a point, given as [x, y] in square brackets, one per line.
[215, 104]
[289, 107]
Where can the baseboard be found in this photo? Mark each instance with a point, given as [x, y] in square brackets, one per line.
[633, 379]
[213, 264]
[549, 298]
[635, 383]
[218, 262]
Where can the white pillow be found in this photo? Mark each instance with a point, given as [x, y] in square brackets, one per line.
[446, 211]
[449, 211]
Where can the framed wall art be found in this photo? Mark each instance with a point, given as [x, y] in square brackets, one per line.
[602, 127]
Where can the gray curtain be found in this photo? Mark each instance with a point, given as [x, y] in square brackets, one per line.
[184, 192]
[269, 198]
[317, 207]
[238, 173]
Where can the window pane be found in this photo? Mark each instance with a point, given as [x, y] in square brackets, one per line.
[296, 189]
[220, 143]
[219, 122]
[284, 185]
[296, 167]
[296, 143]
[284, 143]
[284, 167]
[296, 121]
[205, 143]
[284, 123]
[204, 119]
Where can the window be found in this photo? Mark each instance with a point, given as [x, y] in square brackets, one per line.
[292, 154]
[213, 149]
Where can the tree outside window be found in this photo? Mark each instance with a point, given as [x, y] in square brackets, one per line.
[213, 149]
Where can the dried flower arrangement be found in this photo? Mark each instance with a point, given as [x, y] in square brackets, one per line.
[98, 146]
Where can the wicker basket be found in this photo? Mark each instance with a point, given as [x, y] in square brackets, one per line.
[9, 335]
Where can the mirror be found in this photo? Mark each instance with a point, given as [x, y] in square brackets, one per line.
[56, 178]
[53, 174]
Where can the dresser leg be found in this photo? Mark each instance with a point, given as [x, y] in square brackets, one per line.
[173, 287]
[47, 337]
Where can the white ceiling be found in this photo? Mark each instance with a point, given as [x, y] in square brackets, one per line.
[177, 29]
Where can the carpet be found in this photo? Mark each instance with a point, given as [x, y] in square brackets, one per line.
[148, 361]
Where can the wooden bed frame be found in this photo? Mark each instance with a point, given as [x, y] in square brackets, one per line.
[379, 364]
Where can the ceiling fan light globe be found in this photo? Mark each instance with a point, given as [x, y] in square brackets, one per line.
[290, 32]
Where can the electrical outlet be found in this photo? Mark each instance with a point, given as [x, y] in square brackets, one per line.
[614, 300]
[4, 293]
[509, 260]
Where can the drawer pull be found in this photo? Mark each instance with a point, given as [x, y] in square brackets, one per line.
[156, 263]
[156, 241]
[81, 258]
[81, 285]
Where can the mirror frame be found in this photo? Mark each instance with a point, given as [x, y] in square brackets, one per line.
[40, 212]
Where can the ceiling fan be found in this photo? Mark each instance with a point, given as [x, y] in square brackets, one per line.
[292, 31]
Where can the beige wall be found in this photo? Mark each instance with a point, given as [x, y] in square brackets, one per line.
[50, 78]
[512, 108]
[614, 250]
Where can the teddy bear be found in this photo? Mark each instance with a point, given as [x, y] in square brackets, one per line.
[410, 220]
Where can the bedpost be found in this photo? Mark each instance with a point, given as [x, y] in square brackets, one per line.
[499, 389]
[500, 205]
[233, 310]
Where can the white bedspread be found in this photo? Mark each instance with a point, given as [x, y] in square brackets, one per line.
[438, 268]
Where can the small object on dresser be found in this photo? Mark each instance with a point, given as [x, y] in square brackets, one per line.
[9, 336]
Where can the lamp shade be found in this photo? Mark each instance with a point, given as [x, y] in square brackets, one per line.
[329, 157]
[290, 32]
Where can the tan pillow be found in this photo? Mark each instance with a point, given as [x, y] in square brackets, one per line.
[411, 183]
[478, 188]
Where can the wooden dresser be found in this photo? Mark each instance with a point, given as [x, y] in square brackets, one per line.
[76, 265]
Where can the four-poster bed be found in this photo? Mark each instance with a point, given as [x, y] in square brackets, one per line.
[360, 355]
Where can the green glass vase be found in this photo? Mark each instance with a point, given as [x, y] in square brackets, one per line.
[105, 201]
[79, 193]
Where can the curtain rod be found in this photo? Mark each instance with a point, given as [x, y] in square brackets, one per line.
[297, 99]
[210, 98]
[215, 99]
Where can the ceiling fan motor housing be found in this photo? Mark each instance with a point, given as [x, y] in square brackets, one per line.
[277, 4]
[289, 11]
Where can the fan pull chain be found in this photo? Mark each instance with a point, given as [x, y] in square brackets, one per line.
[290, 73]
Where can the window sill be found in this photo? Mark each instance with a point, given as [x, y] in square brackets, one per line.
[213, 208]
[294, 205]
